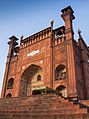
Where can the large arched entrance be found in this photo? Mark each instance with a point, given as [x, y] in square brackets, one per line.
[31, 78]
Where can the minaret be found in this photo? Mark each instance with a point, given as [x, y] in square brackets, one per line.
[12, 45]
[68, 17]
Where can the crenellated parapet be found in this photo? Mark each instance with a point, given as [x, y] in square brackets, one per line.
[35, 38]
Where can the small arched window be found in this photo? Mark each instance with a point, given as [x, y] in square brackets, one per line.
[10, 83]
[61, 90]
[9, 95]
[39, 78]
[60, 72]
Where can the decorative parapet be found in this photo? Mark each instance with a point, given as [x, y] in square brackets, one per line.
[36, 37]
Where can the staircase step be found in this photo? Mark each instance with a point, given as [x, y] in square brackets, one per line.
[18, 108]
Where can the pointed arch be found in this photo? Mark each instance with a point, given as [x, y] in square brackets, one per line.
[8, 95]
[10, 83]
[30, 76]
[61, 90]
[60, 72]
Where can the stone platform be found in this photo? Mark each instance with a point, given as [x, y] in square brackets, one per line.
[46, 106]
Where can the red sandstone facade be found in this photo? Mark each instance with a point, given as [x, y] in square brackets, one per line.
[50, 58]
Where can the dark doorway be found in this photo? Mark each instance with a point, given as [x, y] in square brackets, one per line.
[61, 90]
[8, 95]
[36, 92]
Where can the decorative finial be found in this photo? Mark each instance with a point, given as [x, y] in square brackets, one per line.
[79, 33]
[51, 23]
[21, 38]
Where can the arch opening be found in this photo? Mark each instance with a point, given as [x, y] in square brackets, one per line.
[8, 95]
[61, 90]
[39, 78]
[60, 72]
[31, 78]
[10, 83]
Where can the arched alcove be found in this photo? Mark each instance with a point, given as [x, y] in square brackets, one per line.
[39, 78]
[10, 83]
[30, 78]
[60, 72]
[8, 95]
[61, 90]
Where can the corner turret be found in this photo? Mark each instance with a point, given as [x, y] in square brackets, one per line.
[12, 46]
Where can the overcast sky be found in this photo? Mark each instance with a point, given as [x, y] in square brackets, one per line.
[26, 17]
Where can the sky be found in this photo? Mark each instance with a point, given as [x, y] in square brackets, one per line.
[26, 17]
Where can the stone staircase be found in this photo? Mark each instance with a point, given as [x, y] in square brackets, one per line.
[46, 106]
